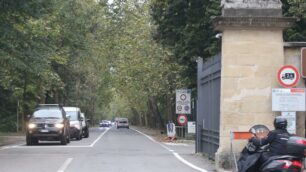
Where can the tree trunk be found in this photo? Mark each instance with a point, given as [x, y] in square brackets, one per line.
[135, 116]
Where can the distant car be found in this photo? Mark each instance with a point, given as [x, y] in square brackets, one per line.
[48, 122]
[105, 123]
[123, 123]
[85, 126]
[74, 114]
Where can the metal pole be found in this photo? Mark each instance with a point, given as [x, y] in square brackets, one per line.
[17, 118]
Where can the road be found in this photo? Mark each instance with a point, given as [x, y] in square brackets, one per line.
[114, 150]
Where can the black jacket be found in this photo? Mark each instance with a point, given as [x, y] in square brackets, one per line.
[277, 140]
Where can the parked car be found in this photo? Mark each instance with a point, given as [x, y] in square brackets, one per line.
[105, 123]
[123, 123]
[48, 122]
[85, 126]
[74, 114]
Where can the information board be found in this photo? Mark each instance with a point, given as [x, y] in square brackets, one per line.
[291, 118]
[288, 99]
[191, 127]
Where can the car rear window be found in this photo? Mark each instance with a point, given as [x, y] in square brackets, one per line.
[47, 113]
[123, 122]
[73, 115]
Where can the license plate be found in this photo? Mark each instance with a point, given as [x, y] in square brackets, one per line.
[44, 131]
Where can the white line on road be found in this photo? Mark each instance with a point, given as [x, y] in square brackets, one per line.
[99, 138]
[176, 155]
[188, 163]
[65, 165]
[21, 146]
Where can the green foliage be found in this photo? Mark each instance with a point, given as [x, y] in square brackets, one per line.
[297, 9]
[120, 59]
[185, 28]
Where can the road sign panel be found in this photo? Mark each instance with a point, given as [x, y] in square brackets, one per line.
[288, 76]
[183, 101]
[182, 119]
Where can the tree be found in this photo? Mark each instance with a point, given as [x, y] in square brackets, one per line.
[185, 28]
[297, 9]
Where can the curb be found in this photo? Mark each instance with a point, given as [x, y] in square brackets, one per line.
[8, 140]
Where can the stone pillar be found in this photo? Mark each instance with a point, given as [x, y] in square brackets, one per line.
[252, 53]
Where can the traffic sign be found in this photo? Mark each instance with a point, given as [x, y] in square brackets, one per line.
[182, 119]
[183, 103]
[288, 76]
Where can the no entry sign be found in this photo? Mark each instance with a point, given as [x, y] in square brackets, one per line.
[288, 76]
[182, 119]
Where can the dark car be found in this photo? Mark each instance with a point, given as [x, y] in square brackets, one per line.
[85, 126]
[74, 114]
[48, 122]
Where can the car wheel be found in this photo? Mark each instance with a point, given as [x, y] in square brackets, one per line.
[28, 140]
[64, 140]
[86, 135]
[68, 138]
[79, 137]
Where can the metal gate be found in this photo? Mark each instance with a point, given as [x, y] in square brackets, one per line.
[208, 105]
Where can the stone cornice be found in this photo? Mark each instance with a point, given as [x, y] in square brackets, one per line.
[221, 23]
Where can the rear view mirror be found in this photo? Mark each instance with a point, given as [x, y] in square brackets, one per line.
[87, 119]
[81, 119]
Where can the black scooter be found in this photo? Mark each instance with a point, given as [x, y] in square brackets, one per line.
[293, 162]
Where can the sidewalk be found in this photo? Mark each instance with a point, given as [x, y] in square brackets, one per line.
[185, 148]
[8, 139]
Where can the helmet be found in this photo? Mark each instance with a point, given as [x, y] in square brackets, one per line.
[280, 122]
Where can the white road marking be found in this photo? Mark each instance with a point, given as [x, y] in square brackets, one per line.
[188, 163]
[22, 146]
[55, 146]
[176, 144]
[99, 137]
[176, 155]
[65, 165]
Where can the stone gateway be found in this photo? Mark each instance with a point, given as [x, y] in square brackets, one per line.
[252, 4]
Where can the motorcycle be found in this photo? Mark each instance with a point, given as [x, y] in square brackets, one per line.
[249, 160]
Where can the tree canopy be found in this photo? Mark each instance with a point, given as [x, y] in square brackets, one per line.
[110, 58]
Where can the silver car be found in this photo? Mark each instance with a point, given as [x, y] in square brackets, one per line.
[123, 123]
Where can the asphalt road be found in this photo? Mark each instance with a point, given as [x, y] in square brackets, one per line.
[113, 150]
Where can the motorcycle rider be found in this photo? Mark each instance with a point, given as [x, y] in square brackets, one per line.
[276, 139]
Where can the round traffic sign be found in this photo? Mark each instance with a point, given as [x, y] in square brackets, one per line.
[183, 97]
[182, 119]
[288, 76]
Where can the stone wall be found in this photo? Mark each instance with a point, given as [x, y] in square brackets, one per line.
[250, 61]
[292, 53]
